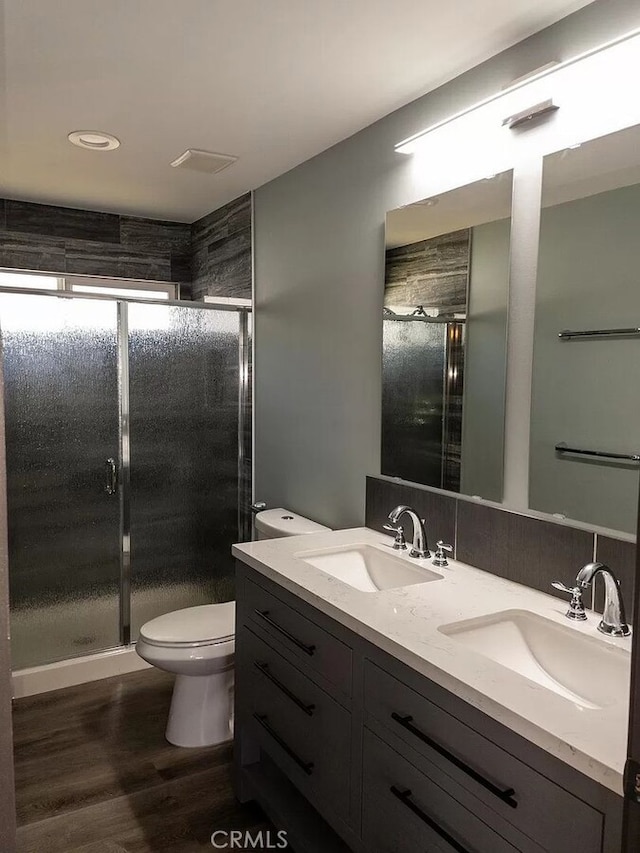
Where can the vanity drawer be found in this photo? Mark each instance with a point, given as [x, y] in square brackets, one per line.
[300, 726]
[405, 811]
[315, 649]
[449, 748]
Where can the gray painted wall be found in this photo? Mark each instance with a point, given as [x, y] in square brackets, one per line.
[585, 392]
[485, 362]
[319, 265]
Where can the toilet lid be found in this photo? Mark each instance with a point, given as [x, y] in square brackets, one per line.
[201, 625]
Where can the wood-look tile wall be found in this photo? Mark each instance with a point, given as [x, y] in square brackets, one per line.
[211, 257]
[528, 550]
[431, 272]
[221, 251]
[59, 240]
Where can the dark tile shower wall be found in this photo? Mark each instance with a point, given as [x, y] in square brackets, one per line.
[211, 257]
[432, 272]
[221, 251]
[59, 240]
[531, 551]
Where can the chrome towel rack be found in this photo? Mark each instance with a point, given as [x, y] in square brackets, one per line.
[567, 334]
[562, 447]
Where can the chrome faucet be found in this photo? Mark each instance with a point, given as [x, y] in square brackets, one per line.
[420, 548]
[613, 620]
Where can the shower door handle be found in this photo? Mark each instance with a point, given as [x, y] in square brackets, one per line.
[111, 486]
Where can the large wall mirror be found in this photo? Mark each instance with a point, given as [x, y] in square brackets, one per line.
[444, 338]
[585, 420]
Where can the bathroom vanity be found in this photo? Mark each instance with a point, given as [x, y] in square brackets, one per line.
[415, 717]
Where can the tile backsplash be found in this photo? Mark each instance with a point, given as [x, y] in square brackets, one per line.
[520, 547]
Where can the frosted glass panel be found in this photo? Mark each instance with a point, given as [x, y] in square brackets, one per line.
[183, 367]
[61, 399]
[413, 400]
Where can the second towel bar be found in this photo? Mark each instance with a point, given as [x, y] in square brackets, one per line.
[562, 447]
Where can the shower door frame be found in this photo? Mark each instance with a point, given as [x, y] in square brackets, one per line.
[124, 445]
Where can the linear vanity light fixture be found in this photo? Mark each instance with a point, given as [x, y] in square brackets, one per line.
[412, 143]
[533, 113]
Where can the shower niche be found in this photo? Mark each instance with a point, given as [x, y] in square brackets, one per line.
[126, 454]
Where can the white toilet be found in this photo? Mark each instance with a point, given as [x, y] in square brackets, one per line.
[198, 644]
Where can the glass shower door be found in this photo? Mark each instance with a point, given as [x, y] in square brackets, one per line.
[62, 425]
[413, 399]
[184, 386]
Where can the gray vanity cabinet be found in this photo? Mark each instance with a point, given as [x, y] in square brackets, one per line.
[386, 760]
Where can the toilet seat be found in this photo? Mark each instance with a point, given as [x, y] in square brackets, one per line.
[192, 627]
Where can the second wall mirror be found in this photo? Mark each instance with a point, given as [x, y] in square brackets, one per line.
[585, 418]
[444, 338]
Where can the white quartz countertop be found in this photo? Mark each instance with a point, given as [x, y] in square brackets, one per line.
[404, 623]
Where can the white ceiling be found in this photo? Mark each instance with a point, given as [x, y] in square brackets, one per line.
[483, 201]
[271, 81]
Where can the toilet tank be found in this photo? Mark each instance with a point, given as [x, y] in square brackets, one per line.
[273, 523]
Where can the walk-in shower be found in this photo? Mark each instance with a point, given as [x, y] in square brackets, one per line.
[128, 464]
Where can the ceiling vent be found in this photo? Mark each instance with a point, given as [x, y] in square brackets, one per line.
[203, 161]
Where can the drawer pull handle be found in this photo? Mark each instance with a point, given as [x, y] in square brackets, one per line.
[308, 650]
[405, 799]
[307, 766]
[264, 669]
[504, 794]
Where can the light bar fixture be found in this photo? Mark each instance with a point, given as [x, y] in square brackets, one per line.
[413, 143]
[533, 113]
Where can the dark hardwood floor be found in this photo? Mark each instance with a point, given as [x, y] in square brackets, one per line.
[94, 774]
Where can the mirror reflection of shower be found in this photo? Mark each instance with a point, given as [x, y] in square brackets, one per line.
[444, 339]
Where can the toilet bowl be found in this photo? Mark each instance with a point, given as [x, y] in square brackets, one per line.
[197, 644]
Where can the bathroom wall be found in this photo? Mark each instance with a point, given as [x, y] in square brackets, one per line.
[485, 359]
[221, 247]
[62, 240]
[319, 262]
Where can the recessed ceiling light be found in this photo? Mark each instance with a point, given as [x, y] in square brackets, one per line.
[94, 140]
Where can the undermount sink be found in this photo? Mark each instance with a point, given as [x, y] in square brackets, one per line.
[585, 670]
[367, 568]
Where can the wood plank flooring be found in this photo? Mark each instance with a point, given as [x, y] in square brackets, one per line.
[94, 774]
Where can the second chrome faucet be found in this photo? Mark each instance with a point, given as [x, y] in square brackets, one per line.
[613, 622]
[420, 546]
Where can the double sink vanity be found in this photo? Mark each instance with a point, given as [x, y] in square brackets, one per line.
[384, 703]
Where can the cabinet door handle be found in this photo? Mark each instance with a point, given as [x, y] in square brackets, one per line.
[504, 794]
[307, 766]
[264, 614]
[405, 799]
[264, 669]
